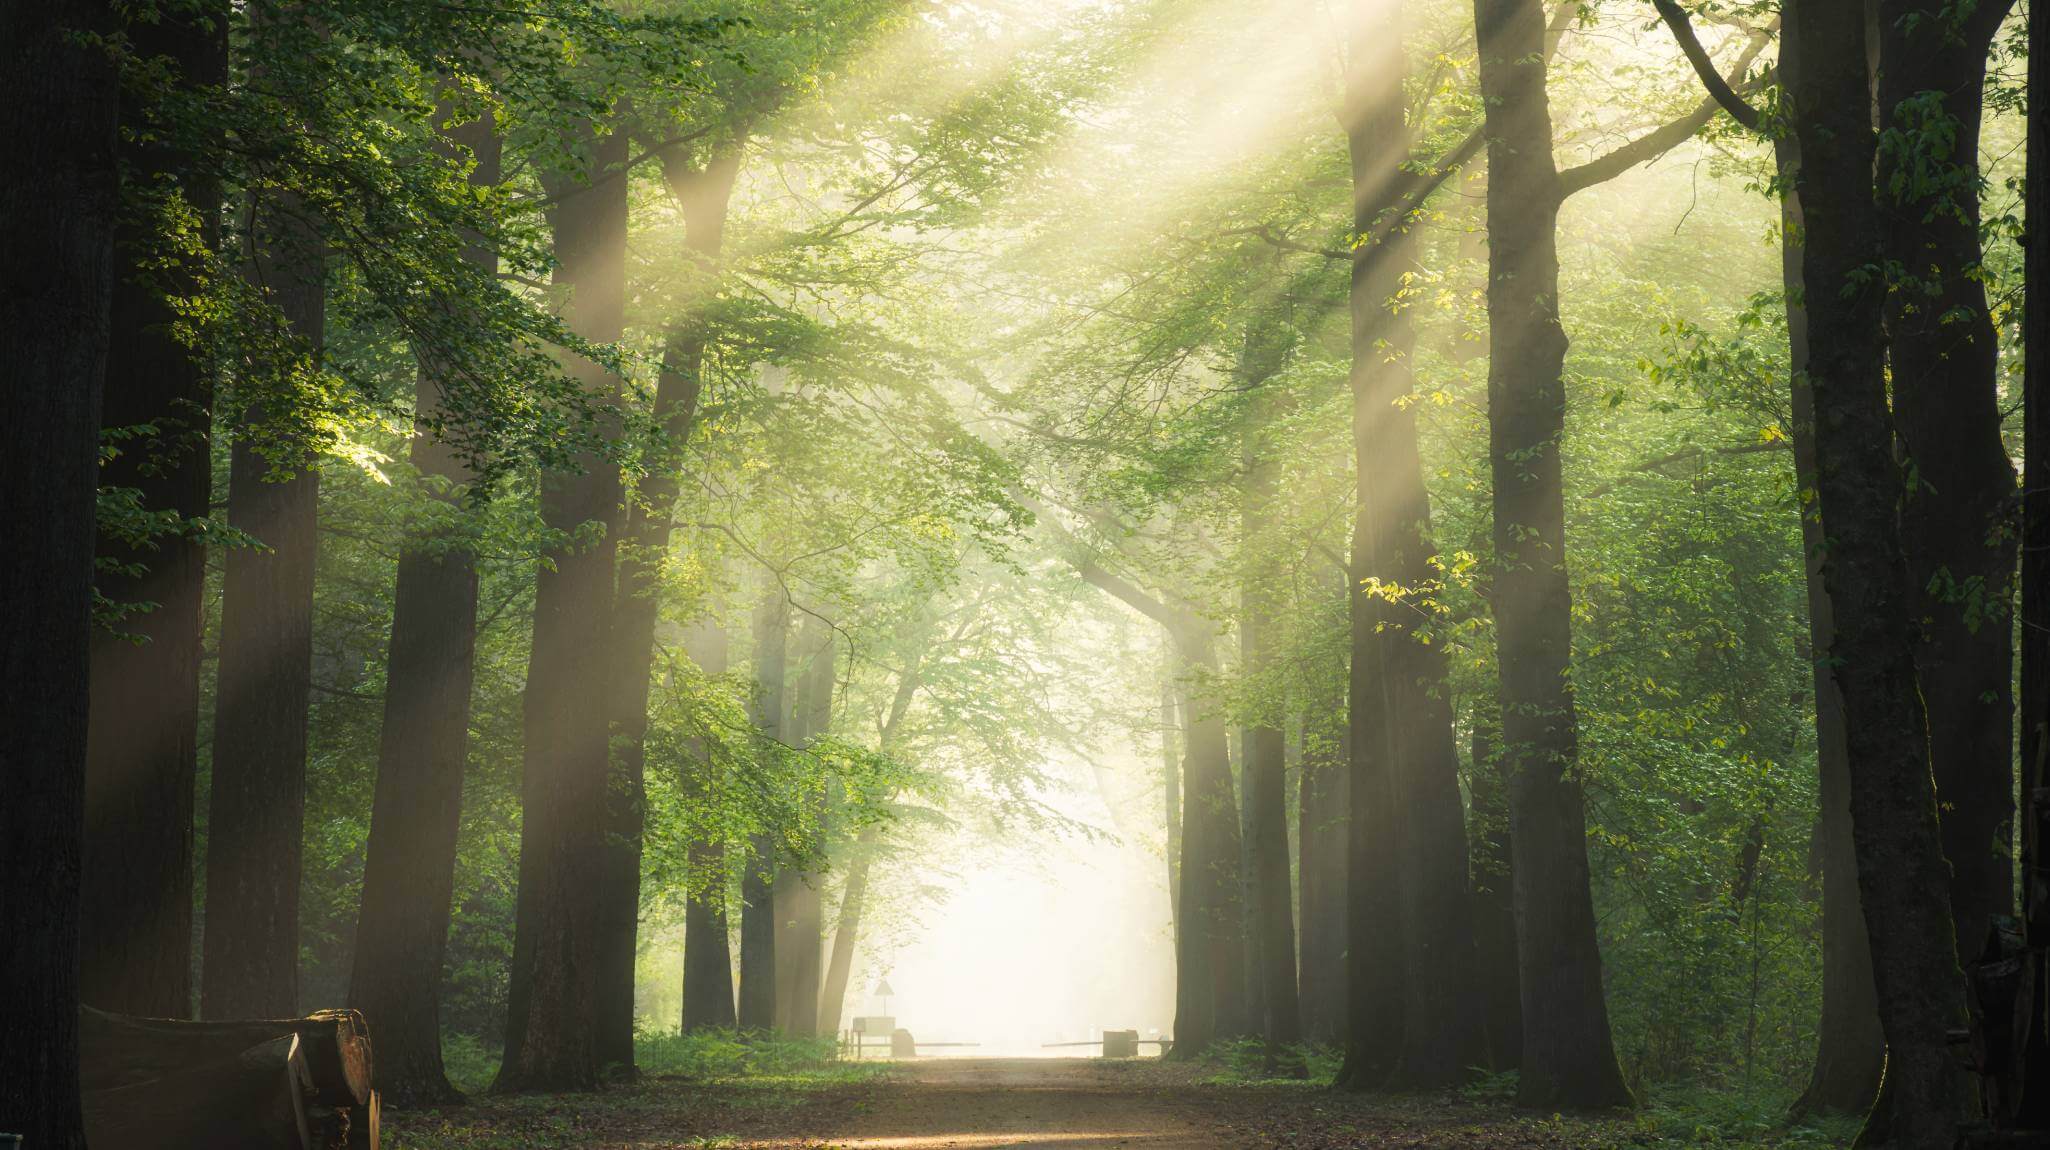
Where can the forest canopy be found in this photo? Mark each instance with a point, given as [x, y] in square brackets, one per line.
[560, 523]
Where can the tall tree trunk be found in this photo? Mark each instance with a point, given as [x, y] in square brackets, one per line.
[702, 193]
[757, 886]
[1171, 790]
[551, 1017]
[257, 804]
[800, 915]
[846, 933]
[135, 945]
[1404, 733]
[1494, 907]
[1569, 1057]
[1902, 875]
[2034, 1040]
[1957, 522]
[1210, 962]
[1270, 921]
[707, 941]
[1850, 1050]
[416, 811]
[58, 205]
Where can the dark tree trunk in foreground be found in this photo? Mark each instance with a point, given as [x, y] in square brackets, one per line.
[1270, 921]
[650, 520]
[1957, 521]
[757, 884]
[1568, 1056]
[135, 945]
[1171, 790]
[1403, 735]
[1901, 871]
[707, 941]
[1322, 796]
[1494, 907]
[1850, 1050]
[551, 1017]
[416, 812]
[57, 214]
[2034, 1041]
[257, 802]
[1210, 967]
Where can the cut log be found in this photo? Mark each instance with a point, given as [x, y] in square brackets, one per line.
[254, 1099]
[118, 1049]
[262, 1084]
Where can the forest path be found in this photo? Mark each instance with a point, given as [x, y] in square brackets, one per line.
[986, 1103]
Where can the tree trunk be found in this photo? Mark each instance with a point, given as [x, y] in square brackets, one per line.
[707, 941]
[846, 933]
[1957, 522]
[257, 805]
[1210, 963]
[58, 205]
[757, 886]
[1494, 907]
[1270, 921]
[1171, 791]
[416, 811]
[2033, 1042]
[1569, 1057]
[551, 1017]
[1850, 1050]
[135, 946]
[702, 194]
[1901, 871]
[800, 915]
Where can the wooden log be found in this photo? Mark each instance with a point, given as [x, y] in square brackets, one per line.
[253, 1099]
[119, 1050]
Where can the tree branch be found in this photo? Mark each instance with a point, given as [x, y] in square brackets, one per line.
[1656, 142]
[1719, 89]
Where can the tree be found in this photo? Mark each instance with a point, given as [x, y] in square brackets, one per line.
[551, 1023]
[1901, 870]
[757, 888]
[135, 949]
[423, 746]
[57, 225]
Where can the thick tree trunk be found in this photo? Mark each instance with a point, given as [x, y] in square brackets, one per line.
[416, 811]
[1403, 735]
[1494, 907]
[757, 886]
[551, 1017]
[1850, 1050]
[702, 194]
[135, 945]
[1569, 1057]
[1270, 921]
[1901, 871]
[1171, 790]
[707, 941]
[846, 933]
[1958, 520]
[257, 804]
[58, 197]
[2034, 1040]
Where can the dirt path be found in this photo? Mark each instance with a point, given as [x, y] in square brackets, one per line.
[1073, 1103]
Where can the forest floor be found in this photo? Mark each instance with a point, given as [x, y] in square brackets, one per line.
[1065, 1103]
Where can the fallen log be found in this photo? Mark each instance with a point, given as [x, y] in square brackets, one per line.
[259, 1084]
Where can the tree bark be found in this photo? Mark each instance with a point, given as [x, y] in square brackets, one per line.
[1850, 1051]
[757, 886]
[1568, 1055]
[707, 941]
[2034, 1038]
[1958, 520]
[702, 194]
[58, 206]
[423, 748]
[1409, 801]
[800, 915]
[1902, 875]
[257, 803]
[1270, 920]
[135, 946]
[551, 1018]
